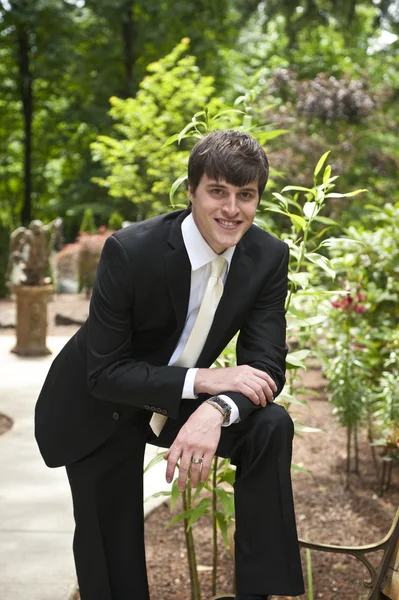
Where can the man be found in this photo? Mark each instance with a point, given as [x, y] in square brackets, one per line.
[170, 294]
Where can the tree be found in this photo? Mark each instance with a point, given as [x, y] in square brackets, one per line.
[138, 166]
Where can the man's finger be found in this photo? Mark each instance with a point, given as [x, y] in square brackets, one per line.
[183, 472]
[195, 472]
[265, 376]
[171, 465]
[206, 466]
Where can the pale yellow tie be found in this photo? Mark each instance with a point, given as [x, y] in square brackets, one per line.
[200, 330]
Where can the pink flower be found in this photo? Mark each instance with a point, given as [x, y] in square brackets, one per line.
[359, 308]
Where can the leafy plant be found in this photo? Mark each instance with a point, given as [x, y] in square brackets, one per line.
[301, 208]
[139, 166]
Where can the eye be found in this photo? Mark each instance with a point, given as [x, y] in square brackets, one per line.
[247, 195]
[217, 191]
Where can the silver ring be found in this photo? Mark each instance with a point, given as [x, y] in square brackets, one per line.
[197, 461]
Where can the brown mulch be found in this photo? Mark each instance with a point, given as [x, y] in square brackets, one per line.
[327, 510]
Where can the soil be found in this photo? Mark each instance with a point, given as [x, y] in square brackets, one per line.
[328, 510]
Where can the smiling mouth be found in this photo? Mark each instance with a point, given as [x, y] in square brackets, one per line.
[228, 224]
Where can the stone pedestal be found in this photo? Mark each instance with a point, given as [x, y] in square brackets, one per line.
[31, 321]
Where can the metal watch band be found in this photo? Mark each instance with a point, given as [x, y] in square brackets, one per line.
[222, 406]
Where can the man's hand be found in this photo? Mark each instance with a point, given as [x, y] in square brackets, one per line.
[256, 385]
[198, 438]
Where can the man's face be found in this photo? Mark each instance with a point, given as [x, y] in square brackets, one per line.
[223, 212]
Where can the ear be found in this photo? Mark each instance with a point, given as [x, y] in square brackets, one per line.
[191, 193]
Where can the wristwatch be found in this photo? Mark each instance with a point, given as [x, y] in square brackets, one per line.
[222, 406]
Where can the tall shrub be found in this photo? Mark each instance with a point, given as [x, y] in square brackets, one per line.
[139, 166]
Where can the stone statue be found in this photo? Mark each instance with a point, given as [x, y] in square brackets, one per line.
[30, 250]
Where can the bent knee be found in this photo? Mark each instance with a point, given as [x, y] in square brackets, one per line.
[275, 419]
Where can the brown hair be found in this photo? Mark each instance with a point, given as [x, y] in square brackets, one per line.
[232, 156]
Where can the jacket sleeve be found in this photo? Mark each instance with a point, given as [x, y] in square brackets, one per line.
[113, 374]
[262, 339]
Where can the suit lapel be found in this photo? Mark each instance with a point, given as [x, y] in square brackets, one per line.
[178, 270]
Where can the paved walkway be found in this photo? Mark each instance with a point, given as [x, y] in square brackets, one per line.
[36, 522]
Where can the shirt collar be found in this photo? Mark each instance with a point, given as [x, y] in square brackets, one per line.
[199, 252]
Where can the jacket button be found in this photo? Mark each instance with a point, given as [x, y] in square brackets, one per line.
[152, 408]
[164, 412]
[147, 406]
[115, 416]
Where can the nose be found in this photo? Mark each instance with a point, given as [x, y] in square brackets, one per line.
[230, 206]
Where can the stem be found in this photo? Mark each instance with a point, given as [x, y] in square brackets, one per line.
[192, 561]
[356, 441]
[348, 453]
[301, 257]
[309, 574]
[373, 452]
[214, 530]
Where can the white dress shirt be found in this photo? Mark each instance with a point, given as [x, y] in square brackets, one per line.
[201, 255]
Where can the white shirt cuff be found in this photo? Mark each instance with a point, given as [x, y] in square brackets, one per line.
[188, 387]
[235, 414]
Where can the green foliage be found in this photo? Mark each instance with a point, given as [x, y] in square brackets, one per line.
[115, 221]
[363, 332]
[5, 232]
[88, 225]
[139, 167]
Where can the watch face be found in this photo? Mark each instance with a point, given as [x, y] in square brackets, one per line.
[224, 405]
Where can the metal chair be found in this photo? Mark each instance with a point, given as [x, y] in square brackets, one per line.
[384, 580]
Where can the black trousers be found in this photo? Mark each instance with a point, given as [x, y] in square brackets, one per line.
[107, 491]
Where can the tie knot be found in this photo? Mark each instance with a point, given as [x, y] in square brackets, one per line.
[217, 266]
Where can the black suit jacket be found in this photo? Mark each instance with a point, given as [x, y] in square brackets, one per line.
[115, 366]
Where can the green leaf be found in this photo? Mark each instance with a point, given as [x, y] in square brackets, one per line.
[289, 399]
[325, 220]
[299, 354]
[293, 361]
[158, 495]
[320, 164]
[326, 175]
[296, 188]
[310, 209]
[229, 476]
[297, 220]
[200, 510]
[317, 319]
[295, 467]
[198, 490]
[348, 195]
[322, 262]
[169, 141]
[226, 500]
[222, 523]
[225, 112]
[180, 517]
[174, 494]
[154, 461]
[276, 210]
[299, 279]
[282, 199]
[265, 136]
[175, 185]
[306, 429]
